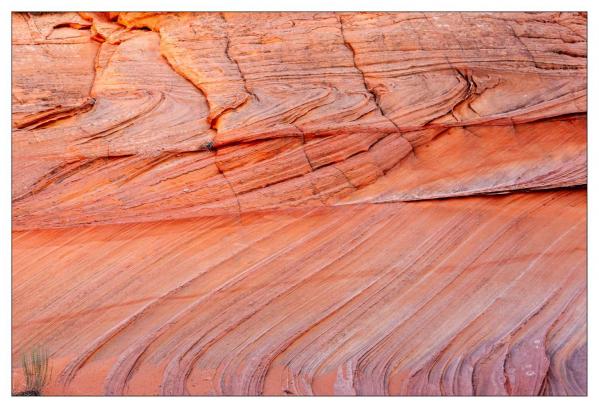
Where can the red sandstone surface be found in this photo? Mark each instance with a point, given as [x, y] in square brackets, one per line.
[301, 203]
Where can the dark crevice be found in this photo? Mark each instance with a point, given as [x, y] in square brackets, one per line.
[545, 65]
[214, 120]
[507, 385]
[124, 124]
[569, 53]
[580, 186]
[153, 163]
[368, 89]
[62, 172]
[345, 176]
[304, 147]
[233, 60]
[353, 52]
[174, 177]
[173, 65]
[229, 183]
[42, 119]
[315, 168]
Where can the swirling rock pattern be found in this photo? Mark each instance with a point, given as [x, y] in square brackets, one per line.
[301, 203]
[457, 297]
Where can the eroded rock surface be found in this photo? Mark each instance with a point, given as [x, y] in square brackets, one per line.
[455, 297]
[250, 203]
[185, 114]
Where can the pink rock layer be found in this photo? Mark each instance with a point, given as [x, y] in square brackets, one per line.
[301, 203]
[467, 296]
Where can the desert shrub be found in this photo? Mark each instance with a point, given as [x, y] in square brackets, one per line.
[36, 370]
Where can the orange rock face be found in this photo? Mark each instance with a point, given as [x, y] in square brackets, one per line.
[300, 203]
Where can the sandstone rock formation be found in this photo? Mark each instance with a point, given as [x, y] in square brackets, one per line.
[250, 203]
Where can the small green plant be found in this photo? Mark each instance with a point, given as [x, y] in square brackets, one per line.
[36, 370]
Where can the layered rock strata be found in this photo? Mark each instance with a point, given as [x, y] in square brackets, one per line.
[465, 296]
[179, 115]
[301, 203]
